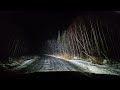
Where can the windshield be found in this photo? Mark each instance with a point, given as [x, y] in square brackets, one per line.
[60, 41]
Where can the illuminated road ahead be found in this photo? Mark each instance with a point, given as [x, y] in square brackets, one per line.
[46, 63]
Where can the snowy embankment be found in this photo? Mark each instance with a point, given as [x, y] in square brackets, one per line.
[24, 64]
[18, 62]
[97, 69]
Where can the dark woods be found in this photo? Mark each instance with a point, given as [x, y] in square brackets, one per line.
[92, 34]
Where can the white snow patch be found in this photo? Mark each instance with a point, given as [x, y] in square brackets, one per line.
[24, 64]
[95, 68]
[76, 58]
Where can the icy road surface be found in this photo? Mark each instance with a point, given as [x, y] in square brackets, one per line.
[45, 63]
[49, 63]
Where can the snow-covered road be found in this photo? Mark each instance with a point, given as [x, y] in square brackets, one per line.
[45, 63]
[48, 63]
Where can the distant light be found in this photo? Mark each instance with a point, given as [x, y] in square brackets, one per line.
[117, 12]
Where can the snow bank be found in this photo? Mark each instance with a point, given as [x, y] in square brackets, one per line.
[95, 68]
[24, 64]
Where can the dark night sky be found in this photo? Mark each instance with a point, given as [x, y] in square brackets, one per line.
[35, 27]
[40, 26]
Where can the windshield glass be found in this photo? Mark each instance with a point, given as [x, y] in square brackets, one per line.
[60, 41]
